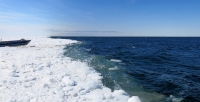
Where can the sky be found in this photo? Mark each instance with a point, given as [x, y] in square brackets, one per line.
[100, 18]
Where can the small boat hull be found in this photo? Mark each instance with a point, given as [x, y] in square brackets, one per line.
[14, 43]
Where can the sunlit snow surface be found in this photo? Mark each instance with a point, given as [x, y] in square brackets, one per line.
[39, 72]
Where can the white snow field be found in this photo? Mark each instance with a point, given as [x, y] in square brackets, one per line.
[39, 72]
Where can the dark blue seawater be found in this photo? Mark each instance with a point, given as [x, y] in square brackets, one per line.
[157, 69]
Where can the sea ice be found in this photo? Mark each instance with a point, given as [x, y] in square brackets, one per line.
[39, 72]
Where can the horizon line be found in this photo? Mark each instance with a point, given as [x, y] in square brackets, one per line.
[128, 36]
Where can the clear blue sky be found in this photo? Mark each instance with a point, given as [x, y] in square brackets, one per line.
[100, 17]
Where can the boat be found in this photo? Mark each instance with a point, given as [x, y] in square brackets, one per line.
[21, 42]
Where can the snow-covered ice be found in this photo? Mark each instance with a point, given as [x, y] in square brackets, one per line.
[39, 72]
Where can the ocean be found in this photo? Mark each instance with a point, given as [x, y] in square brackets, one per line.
[157, 69]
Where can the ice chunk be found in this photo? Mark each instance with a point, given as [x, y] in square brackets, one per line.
[115, 68]
[89, 86]
[68, 81]
[134, 99]
[115, 60]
